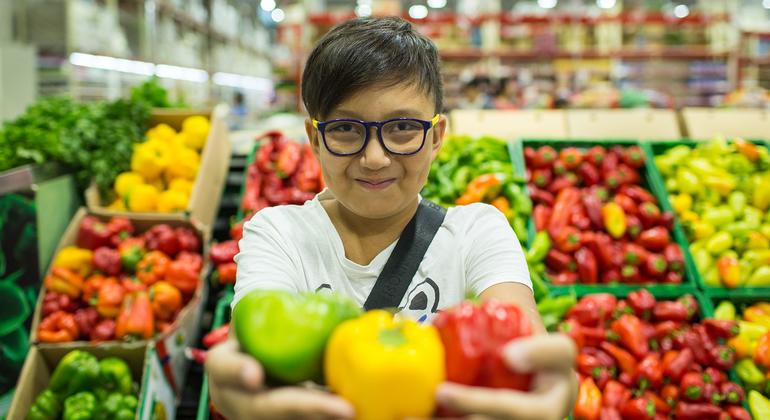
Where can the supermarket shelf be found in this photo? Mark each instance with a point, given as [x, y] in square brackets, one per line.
[183, 18]
[755, 61]
[667, 53]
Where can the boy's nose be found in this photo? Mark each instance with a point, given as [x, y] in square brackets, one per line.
[374, 157]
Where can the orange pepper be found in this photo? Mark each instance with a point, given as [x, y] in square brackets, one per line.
[762, 351]
[59, 327]
[182, 276]
[110, 298]
[747, 148]
[589, 401]
[91, 288]
[65, 281]
[758, 313]
[152, 267]
[166, 300]
[502, 204]
[743, 348]
[480, 188]
[136, 318]
[729, 271]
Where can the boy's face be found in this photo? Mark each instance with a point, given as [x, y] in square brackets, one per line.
[375, 184]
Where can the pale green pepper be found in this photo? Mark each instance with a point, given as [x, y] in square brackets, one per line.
[759, 405]
[718, 216]
[702, 230]
[697, 246]
[738, 228]
[671, 185]
[737, 201]
[760, 277]
[757, 257]
[752, 217]
[765, 229]
[725, 311]
[749, 373]
[751, 331]
[711, 278]
[719, 243]
[687, 181]
[703, 260]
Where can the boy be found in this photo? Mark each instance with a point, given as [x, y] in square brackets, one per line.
[372, 88]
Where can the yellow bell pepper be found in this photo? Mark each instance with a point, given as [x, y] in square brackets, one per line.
[184, 164]
[681, 202]
[118, 205]
[171, 201]
[196, 130]
[143, 198]
[163, 132]
[75, 259]
[388, 369]
[182, 185]
[150, 159]
[126, 181]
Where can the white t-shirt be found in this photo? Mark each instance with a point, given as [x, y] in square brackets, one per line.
[297, 248]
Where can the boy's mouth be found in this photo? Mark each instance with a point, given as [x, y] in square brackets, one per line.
[375, 184]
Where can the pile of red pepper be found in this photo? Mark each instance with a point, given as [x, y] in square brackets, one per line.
[119, 284]
[605, 227]
[283, 172]
[640, 358]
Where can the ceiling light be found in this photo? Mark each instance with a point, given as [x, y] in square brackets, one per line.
[547, 4]
[605, 4]
[438, 4]
[267, 5]
[766, 4]
[418, 11]
[363, 10]
[278, 15]
[681, 11]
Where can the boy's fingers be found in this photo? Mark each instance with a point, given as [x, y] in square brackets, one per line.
[291, 403]
[541, 352]
[227, 367]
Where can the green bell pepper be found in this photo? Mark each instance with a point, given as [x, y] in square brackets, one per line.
[725, 311]
[80, 406]
[287, 332]
[539, 249]
[115, 375]
[47, 406]
[77, 371]
[759, 405]
[118, 407]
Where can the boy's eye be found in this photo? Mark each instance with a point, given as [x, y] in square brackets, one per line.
[397, 126]
[341, 127]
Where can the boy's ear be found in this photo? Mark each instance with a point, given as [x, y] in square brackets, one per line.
[312, 136]
[437, 136]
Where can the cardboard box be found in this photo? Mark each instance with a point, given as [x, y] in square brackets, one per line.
[510, 125]
[642, 124]
[170, 345]
[707, 123]
[207, 190]
[156, 399]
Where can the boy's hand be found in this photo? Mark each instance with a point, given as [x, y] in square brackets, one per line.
[551, 357]
[237, 389]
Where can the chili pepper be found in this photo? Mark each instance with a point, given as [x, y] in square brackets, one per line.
[566, 200]
[166, 300]
[64, 281]
[77, 371]
[541, 177]
[670, 311]
[59, 327]
[47, 406]
[627, 175]
[654, 239]
[642, 302]
[721, 328]
[714, 375]
[611, 276]
[586, 364]
[629, 329]
[633, 157]
[53, 302]
[216, 336]
[540, 196]
[638, 409]
[81, 406]
[661, 407]
[564, 278]
[633, 226]
[188, 240]
[738, 413]
[626, 203]
[110, 298]
[131, 251]
[690, 303]
[162, 238]
[541, 215]
[650, 371]
[629, 274]
[691, 386]
[92, 233]
[107, 260]
[120, 228]
[225, 273]
[614, 220]
[615, 394]
[732, 392]
[593, 309]
[674, 257]
[729, 271]
[723, 357]
[86, 319]
[666, 329]
[152, 267]
[586, 265]
[762, 352]
[589, 174]
[103, 331]
[634, 254]
[136, 317]
[560, 261]
[544, 157]
[626, 362]
[589, 401]
[75, 259]
[182, 276]
[678, 366]
[685, 411]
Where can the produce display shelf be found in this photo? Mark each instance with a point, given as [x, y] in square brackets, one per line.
[249, 161]
[651, 183]
[221, 316]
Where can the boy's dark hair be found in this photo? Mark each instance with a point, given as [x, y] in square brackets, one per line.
[367, 52]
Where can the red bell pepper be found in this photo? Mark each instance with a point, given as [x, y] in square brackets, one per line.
[627, 175]
[572, 329]
[188, 240]
[92, 234]
[544, 157]
[655, 266]
[661, 407]
[558, 168]
[586, 265]
[579, 218]
[615, 394]
[731, 392]
[721, 328]
[609, 254]
[655, 239]
[120, 229]
[107, 260]
[541, 177]
[110, 298]
[611, 276]
[642, 302]
[633, 226]
[152, 267]
[670, 311]
[650, 371]
[571, 157]
[626, 362]
[529, 155]
[678, 365]
[473, 336]
[236, 230]
[53, 302]
[566, 200]
[567, 239]
[670, 394]
[182, 276]
[593, 207]
[541, 215]
[674, 257]
[633, 156]
[226, 273]
[540, 196]
[629, 274]
[634, 254]
[672, 278]
[649, 214]
[223, 252]
[690, 303]
[626, 203]
[638, 409]
[738, 413]
[691, 386]
[216, 336]
[288, 159]
[589, 174]
[59, 327]
[638, 194]
[685, 411]
[136, 318]
[192, 259]
[595, 155]
[629, 329]
[594, 309]
[589, 401]
[714, 375]
[722, 357]
[610, 163]
[559, 261]
[162, 238]
[565, 278]
[103, 331]
[86, 319]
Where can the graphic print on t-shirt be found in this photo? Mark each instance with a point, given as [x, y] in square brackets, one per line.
[422, 301]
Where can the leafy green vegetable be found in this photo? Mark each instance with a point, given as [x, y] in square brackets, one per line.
[155, 95]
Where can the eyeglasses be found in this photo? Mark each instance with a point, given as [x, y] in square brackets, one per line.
[399, 136]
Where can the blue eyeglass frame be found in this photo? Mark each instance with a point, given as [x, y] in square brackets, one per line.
[426, 125]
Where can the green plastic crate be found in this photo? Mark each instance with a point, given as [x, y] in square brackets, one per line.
[653, 149]
[221, 315]
[648, 178]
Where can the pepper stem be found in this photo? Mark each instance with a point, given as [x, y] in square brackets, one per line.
[392, 337]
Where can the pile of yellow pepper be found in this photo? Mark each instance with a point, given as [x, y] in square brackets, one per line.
[163, 169]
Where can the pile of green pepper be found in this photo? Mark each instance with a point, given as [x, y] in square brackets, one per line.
[469, 170]
[84, 388]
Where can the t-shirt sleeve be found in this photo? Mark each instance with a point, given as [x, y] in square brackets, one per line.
[264, 260]
[492, 252]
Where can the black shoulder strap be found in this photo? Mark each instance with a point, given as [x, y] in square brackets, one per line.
[394, 280]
